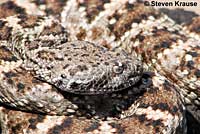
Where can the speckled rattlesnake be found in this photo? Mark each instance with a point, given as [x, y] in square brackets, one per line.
[50, 48]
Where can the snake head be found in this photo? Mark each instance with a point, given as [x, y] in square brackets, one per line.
[86, 68]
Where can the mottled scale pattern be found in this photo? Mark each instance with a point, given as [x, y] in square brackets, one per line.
[48, 49]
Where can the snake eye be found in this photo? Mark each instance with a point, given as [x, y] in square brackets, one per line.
[118, 68]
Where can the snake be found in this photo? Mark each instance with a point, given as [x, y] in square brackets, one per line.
[96, 67]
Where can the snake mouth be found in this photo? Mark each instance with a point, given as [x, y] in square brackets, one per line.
[131, 82]
[109, 90]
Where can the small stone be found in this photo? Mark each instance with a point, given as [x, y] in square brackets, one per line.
[187, 101]
[40, 105]
[197, 102]
[56, 98]
[188, 57]
[70, 111]
[192, 96]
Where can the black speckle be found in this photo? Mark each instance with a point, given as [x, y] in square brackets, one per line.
[2, 23]
[91, 62]
[59, 59]
[10, 74]
[10, 81]
[66, 66]
[97, 55]
[116, 16]
[92, 127]
[82, 67]
[156, 123]
[67, 123]
[40, 118]
[111, 27]
[94, 65]
[119, 128]
[20, 86]
[4, 48]
[13, 58]
[190, 64]
[16, 128]
[197, 73]
[140, 37]
[84, 55]
[74, 85]
[157, 130]
[59, 128]
[84, 48]
[136, 20]
[161, 106]
[75, 54]
[49, 67]
[106, 63]
[174, 110]
[106, 1]
[73, 45]
[142, 117]
[127, 26]
[32, 122]
[129, 6]
[100, 8]
[12, 5]
[117, 54]
[165, 44]
[59, 83]
[143, 105]
[39, 2]
[194, 54]
[69, 59]
[144, 16]
[155, 30]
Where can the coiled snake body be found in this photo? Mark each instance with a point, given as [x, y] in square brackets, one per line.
[78, 67]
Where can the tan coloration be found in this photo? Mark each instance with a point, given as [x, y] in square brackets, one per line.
[157, 107]
[151, 106]
[6, 55]
[22, 84]
[93, 8]
[10, 8]
[176, 56]
[135, 14]
[81, 35]
[165, 121]
[97, 78]
[44, 55]
[194, 26]
[164, 39]
[53, 7]
[161, 94]
[185, 64]
[17, 125]
[51, 102]
[5, 32]
[45, 98]
[28, 21]
[96, 32]
[54, 29]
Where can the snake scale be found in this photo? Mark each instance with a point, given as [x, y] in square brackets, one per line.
[96, 67]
